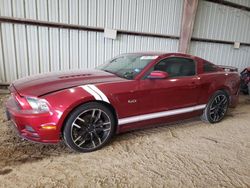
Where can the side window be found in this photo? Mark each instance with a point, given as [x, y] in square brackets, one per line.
[177, 67]
[209, 67]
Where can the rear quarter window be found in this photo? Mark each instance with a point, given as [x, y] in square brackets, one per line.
[209, 67]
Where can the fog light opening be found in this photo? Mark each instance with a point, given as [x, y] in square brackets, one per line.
[29, 128]
[35, 135]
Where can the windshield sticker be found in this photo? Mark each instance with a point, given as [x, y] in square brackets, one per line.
[137, 70]
[149, 57]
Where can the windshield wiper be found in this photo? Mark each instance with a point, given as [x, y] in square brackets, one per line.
[121, 76]
[108, 71]
[111, 72]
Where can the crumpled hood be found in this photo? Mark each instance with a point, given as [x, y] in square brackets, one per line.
[47, 83]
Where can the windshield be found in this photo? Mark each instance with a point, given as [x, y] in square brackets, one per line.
[127, 66]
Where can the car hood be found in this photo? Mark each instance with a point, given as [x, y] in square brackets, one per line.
[42, 84]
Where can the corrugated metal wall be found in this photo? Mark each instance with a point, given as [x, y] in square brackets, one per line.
[222, 54]
[241, 2]
[27, 50]
[156, 16]
[214, 21]
[221, 22]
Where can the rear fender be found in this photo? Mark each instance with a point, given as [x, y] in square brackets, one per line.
[228, 82]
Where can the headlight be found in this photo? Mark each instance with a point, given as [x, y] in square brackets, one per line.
[38, 105]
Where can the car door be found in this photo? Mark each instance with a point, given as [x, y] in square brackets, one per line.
[179, 90]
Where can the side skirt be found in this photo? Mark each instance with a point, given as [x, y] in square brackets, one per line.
[164, 121]
[160, 114]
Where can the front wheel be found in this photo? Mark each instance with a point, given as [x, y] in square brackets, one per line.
[89, 127]
[216, 108]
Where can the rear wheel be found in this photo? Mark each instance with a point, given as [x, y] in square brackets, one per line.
[245, 92]
[248, 86]
[89, 127]
[216, 108]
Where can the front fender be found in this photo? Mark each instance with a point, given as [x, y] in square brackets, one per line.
[63, 102]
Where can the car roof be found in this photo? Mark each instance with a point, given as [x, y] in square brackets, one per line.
[164, 54]
[144, 53]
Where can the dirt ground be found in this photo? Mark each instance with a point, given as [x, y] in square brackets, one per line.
[184, 154]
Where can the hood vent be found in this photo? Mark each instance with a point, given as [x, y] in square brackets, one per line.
[74, 76]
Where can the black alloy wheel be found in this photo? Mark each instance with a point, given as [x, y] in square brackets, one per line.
[89, 127]
[216, 108]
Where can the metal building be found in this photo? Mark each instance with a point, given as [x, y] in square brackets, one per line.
[38, 36]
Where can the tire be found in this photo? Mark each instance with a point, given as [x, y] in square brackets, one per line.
[89, 127]
[245, 92]
[248, 86]
[244, 88]
[216, 108]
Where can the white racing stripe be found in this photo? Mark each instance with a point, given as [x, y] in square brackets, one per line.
[95, 92]
[103, 96]
[159, 114]
[91, 92]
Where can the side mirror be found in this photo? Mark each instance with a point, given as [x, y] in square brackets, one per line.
[158, 75]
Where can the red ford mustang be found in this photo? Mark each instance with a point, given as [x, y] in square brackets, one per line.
[131, 91]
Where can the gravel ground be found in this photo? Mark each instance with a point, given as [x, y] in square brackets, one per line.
[185, 154]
